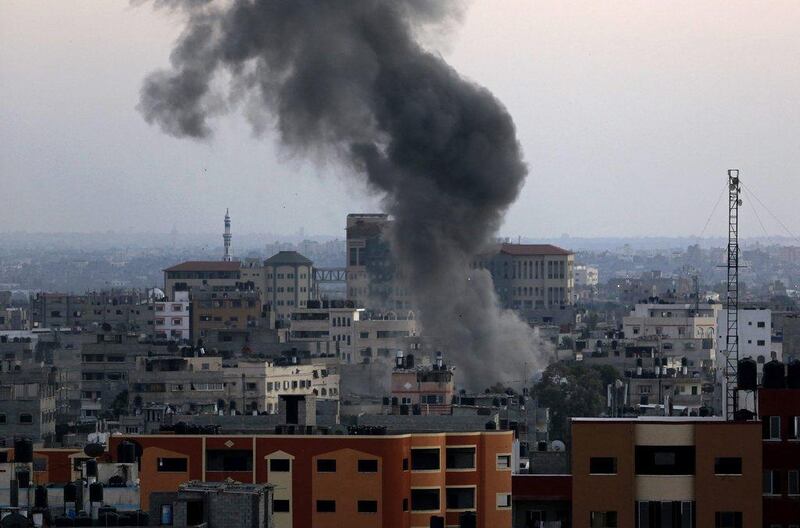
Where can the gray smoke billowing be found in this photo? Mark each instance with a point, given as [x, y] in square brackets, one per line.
[350, 79]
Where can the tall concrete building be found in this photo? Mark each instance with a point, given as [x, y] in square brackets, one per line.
[288, 283]
[755, 334]
[373, 278]
[530, 276]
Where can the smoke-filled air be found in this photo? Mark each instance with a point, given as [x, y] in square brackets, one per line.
[351, 81]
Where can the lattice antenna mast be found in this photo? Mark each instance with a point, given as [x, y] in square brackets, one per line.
[732, 301]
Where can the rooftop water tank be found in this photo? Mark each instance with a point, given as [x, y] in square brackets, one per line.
[774, 376]
[793, 375]
[747, 374]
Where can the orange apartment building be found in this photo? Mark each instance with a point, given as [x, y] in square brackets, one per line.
[659, 472]
[50, 465]
[234, 310]
[392, 481]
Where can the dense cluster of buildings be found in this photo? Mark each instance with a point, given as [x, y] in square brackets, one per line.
[281, 394]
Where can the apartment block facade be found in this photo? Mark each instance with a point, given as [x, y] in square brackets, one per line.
[62, 310]
[197, 275]
[779, 410]
[392, 481]
[373, 277]
[171, 318]
[235, 310]
[352, 334]
[662, 472]
[289, 282]
[530, 276]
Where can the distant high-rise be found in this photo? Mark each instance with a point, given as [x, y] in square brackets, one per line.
[226, 238]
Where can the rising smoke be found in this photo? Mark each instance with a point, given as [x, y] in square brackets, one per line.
[350, 80]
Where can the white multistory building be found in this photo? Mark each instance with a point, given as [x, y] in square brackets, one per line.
[172, 319]
[755, 334]
[671, 321]
[351, 334]
[586, 276]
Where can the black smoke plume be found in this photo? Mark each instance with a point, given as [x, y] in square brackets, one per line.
[349, 79]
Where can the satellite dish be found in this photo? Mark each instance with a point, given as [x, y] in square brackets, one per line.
[557, 445]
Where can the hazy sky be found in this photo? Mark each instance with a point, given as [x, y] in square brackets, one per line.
[629, 114]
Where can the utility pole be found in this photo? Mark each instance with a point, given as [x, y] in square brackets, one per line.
[732, 300]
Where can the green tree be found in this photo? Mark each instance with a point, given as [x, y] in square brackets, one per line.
[120, 404]
[571, 390]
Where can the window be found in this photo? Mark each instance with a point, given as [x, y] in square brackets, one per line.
[607, 519]
[172, 464]
[25, 418]
[667, 514]
[367, 506]
[771, 427]
[503, 462]
[665, 460]
[793, 487]
[760, 342]
[602, 465]
[728, 520]
[280, 506]
[326, 506]
[460, 457]
[460, 498]
[425, 499]
[795, 432]
[503, 500]
[772, 482]
[405, 504]
[405, 464]
[326, 465]
[424, 460]
[761, 324]
[367, 466]
[728, 466]
[2, 418]
[279, 465]
[229, 460]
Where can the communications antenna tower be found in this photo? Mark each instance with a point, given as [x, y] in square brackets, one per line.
[732, 300]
